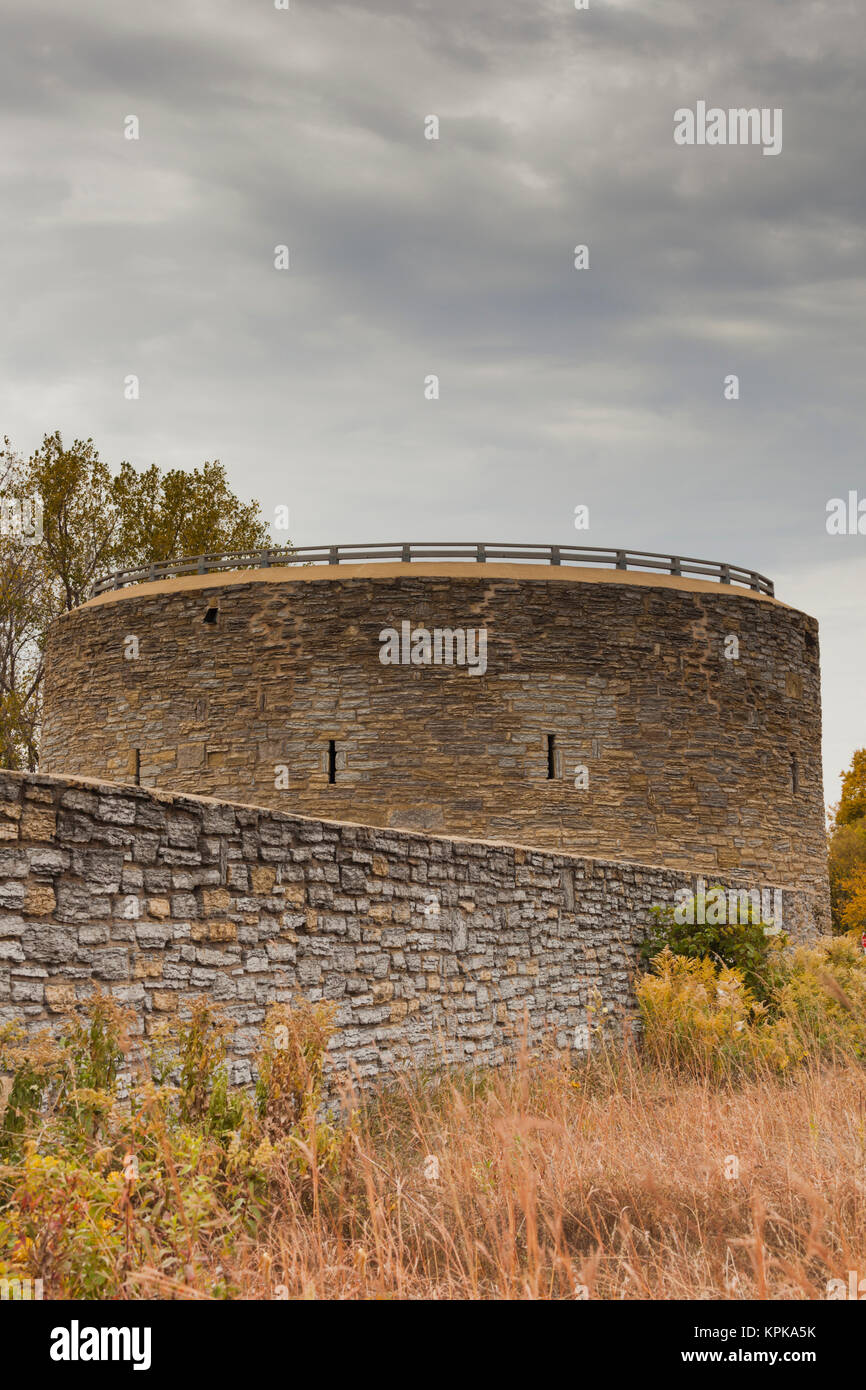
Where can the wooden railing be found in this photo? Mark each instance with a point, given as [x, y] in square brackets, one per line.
[428, 550]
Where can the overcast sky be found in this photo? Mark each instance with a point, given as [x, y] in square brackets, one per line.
[455, 257]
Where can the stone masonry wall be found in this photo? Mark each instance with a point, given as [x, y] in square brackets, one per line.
[692, 759]
[433, 949]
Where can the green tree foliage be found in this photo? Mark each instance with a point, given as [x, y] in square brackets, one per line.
[166, 515]
[26, 608]
[29, 597]
[80, 516]
[93, 521]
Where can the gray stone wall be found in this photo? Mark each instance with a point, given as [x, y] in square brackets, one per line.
[434, 950]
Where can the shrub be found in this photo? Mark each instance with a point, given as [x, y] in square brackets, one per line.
[748, 947]
[97, 1043]
[200, 1061]
[289, 1088]
[117, 1185]
[823, 997]
[701, 1016]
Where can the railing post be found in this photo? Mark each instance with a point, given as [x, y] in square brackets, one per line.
[276, 555]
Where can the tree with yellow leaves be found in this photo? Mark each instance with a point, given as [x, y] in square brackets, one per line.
[847, 850]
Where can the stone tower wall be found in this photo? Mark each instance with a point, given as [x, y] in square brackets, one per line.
[692, 760]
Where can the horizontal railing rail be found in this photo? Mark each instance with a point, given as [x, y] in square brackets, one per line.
[479, 552]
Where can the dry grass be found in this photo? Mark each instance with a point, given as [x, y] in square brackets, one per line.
[646, 1172]
[608, 1181]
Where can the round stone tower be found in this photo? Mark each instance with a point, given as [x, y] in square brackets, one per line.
[614, 713]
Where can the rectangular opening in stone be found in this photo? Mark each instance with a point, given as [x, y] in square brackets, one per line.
[332, 760]
[212, 614]
[551, 757]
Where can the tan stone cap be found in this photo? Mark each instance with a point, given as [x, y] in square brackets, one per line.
[413, 569]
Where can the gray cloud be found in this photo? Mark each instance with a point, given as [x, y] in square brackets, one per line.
[454, 257]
